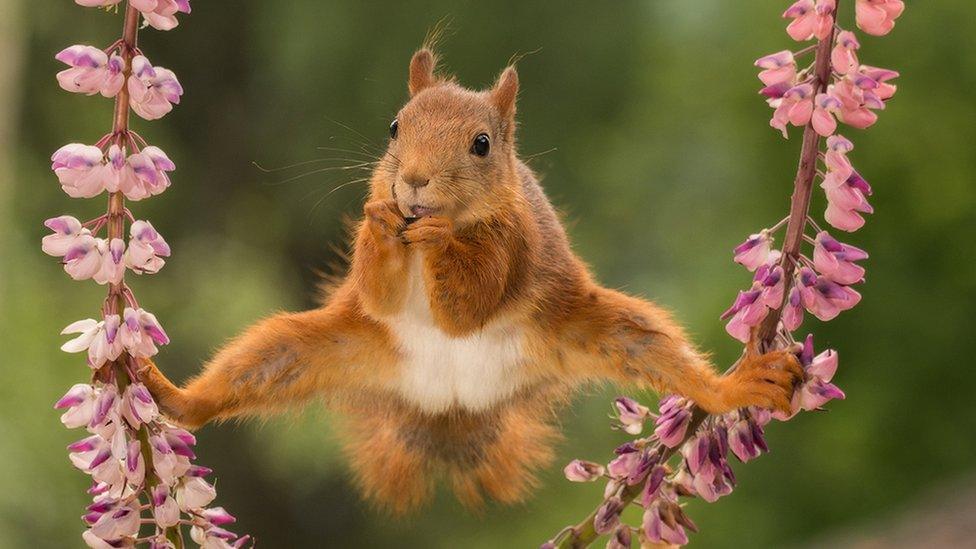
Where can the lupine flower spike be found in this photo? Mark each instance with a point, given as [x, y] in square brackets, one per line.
[146, 490]
[689, 452]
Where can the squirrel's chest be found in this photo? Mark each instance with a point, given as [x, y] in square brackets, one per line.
[437, 371]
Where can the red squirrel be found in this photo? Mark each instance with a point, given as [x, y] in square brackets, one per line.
[464, 321]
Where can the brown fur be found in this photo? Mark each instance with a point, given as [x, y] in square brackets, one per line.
[493, 250]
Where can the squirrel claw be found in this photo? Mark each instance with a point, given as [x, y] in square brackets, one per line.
[384, 218]
[766, 381]
[431, 231]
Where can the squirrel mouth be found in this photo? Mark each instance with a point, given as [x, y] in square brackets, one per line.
[422, 211]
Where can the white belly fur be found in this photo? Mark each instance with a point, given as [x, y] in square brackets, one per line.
[438, 371]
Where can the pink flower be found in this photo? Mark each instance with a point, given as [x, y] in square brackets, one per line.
[844, 55]
[747, 311]
[80, 401]
[663, 523]
[148, 174]
[81, 170]
[583, 471]
[846, 200]
[98, 338]
[159, 14]
[632, 415]
[152, 90]
[135, 466]
[673, 422]
[846, 190]
[217, 516]
[823, 297]
[138, 406]
[817, 388]
[168, 464]
[95, 258]
[141, 332]
[755, 251]
[67, 232]
[92, 71]
[705, 459]
[146, 248]
[862, 92]
[194, 493]
[778, 68]
[746, 439]
[825, 106]
[752, 306]
[793, 310]
[121, 522]
[626, 462]
[165, 510]
[877, 17]
[792, 106]
[836, 261]
[810, 19]
[95, 542]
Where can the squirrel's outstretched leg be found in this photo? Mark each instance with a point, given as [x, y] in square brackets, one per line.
[279, 362]
[628, 340]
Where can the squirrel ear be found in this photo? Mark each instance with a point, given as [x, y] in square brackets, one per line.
[504, 93]
[421, 71]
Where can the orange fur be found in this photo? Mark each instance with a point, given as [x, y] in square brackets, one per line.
[497, 276]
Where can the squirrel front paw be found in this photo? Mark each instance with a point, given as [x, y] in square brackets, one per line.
[429, 232]
[766, 381]
[384, 219]
[167, 396]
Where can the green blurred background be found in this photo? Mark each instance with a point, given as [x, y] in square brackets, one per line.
[662, 158]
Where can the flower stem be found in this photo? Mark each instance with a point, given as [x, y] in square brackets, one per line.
[583, 534]
[806, 172]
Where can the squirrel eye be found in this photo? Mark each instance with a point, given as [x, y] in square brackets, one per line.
[394, 126]
[481, 145]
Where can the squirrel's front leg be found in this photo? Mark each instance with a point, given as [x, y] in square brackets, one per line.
[614, 336]
[380, 257]
[465, 274]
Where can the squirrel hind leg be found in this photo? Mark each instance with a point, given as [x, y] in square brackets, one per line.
[389, 474]
[505, 470]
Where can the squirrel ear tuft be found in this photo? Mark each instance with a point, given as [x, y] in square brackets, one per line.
[504, 93]
[421, 71]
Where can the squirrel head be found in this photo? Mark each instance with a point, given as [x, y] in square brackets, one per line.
[451, 150]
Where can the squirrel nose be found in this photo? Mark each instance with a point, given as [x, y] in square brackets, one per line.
[416, 181]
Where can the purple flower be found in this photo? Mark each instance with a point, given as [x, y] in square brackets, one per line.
[746, 439]
[608, 515]
[661, 523]
[673, 422]
[146, 248]
[817, 388]
[621, 538]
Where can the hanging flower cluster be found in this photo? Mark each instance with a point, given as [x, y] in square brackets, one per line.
[855, 90]
[145, 489]
[689, 452]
